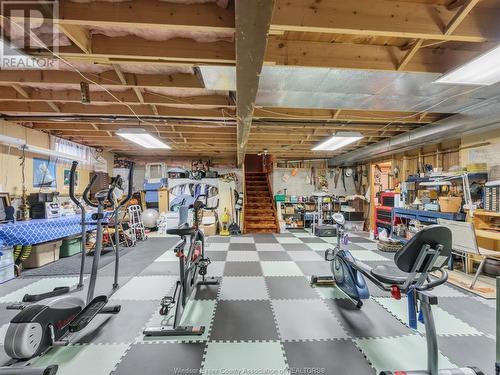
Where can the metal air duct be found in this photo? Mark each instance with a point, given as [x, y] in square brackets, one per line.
[485, 117]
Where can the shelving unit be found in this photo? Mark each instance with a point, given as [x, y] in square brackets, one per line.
[299, 211]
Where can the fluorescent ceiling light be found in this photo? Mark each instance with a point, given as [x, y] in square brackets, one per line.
[142, 138]
[339, 140]
[482, 71]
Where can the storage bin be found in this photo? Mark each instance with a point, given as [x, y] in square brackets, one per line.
[70, 246]
[356, 226]
[43, 254]
[450, 204]
[6, 256]
[7, 273]
[279, 197]
[289, 210]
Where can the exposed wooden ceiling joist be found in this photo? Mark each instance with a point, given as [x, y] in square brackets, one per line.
[382, 18]
[107, 79]
[123, 49]
[346, 115]
[9, 107]
[357, 56]
[148, 14]
[101, 97]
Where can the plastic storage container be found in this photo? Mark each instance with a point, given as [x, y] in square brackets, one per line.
[6, 256]
[70, 246]
[6, 264]
[356, 226]
[7, 273]
[43, 254]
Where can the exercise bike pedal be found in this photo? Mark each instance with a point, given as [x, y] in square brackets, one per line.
[166, 304]
[175, 331]
[209, 281]
[322, 280]
[88, 313]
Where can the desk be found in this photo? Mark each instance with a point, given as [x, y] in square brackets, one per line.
[41, 230]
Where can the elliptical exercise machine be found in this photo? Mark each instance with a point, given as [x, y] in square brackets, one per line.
[191, 265]
[428, 251]
[38, 327]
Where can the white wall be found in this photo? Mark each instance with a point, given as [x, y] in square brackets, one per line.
[297, 185]
[489, 154]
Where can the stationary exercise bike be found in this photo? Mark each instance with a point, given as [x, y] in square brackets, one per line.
[38, 327]
[428, 251]
[191, 264]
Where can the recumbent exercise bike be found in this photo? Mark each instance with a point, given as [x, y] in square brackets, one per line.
[428, 251]
[191, 264]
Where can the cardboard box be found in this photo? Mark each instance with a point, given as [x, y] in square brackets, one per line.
[209, 230]
[209, 223]
[43, 254]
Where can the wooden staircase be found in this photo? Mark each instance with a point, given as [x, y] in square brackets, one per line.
[260, 211]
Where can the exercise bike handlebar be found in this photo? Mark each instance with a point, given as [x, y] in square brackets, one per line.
[441, 280]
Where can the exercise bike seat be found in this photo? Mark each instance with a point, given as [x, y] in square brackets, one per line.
[181, 230]
[389, 274]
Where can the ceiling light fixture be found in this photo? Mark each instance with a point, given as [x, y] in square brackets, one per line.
[142, 138]
[339, 140]
[482, 71]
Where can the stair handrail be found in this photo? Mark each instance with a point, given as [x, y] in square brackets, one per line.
[244, 223]
[273, 202]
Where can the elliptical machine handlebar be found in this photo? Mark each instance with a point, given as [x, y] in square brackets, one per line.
[130, 190]
[72, 175]
[198, 204]
[117, 182]
[87, 191]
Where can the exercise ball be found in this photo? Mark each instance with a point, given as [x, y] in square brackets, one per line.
[150, 218]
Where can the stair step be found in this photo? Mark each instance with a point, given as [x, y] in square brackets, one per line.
[264, 230]
[256, 194]
[259, 211]
[260, 218]
[261, 225]
[259, 206]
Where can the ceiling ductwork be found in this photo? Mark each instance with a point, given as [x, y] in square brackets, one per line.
[485, 118]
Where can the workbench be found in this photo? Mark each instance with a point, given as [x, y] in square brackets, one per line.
[425, 217]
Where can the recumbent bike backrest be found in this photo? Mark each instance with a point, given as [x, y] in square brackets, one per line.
[431, 237]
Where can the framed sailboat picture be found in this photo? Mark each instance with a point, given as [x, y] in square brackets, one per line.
[44, 173]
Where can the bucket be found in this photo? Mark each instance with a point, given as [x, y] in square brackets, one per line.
[450, 204]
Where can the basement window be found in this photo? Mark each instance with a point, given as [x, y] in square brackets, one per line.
[86, 156]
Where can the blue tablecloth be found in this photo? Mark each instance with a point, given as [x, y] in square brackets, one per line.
[41, 230]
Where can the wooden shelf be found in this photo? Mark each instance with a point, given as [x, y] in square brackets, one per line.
[486, 213]
[492, 235]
